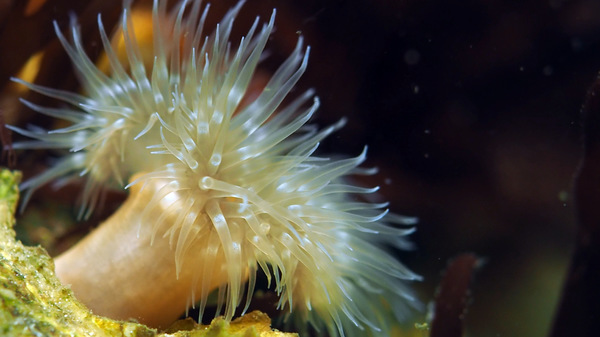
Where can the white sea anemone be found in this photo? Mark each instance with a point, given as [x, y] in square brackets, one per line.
[230, 182]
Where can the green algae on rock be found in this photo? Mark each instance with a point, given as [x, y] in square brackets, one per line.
[33, 302]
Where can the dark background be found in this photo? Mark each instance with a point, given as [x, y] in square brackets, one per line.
[471, 110]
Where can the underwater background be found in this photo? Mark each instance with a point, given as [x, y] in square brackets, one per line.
[470, 109]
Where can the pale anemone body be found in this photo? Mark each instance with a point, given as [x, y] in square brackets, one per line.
[243, 176]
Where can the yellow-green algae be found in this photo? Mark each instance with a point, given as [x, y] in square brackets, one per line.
[33, 302]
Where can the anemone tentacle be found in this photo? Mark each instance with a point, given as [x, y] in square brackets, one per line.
[243, 175]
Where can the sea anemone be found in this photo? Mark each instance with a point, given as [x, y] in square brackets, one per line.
[223, 185]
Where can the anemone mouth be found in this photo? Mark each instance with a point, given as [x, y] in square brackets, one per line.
[240, 170]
